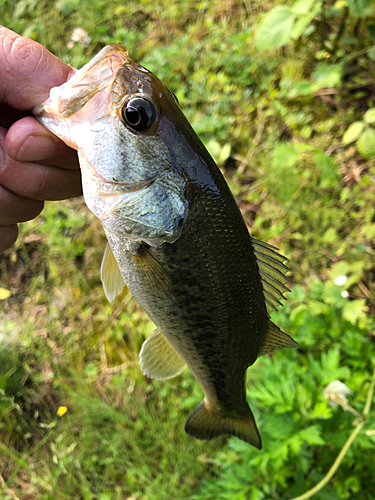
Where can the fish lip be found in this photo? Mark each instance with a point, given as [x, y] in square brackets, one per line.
[88, 81]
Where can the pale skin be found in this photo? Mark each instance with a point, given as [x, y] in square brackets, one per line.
[34, 164]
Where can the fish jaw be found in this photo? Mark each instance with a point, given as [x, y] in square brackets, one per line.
[84, 98]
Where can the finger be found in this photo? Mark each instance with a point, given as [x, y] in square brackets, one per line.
[40, 182]
[8, 236]
[28, 71]
[28, 140]
[16, 209]
[35, 180]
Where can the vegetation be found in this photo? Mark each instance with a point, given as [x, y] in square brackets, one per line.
[282, 94]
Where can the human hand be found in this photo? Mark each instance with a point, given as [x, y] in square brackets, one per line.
[34, 164]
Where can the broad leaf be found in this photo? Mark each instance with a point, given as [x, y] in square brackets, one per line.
[275, 29]
[301, 7]
[358, 6]
[353, 310]
[327, 76]
[366, 143]
[301, 24]
[370, 116]
[328, 169]
[353, 132]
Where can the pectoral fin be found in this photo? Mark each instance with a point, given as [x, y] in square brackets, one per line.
[110, 275]
[153, 272]
[158, 359]
[276, 339]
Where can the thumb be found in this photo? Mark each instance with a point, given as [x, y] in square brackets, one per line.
[28, 71]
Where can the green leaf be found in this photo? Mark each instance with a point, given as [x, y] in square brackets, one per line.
[301, 24]
[366, 143]
[370, 116]
[301, 7]
[353, 310]
[275, 28]
[353, 132]
[371, 53]
[4, 293]
[312, 435]
[91, 370]
[371, 30]
[327, 76]
[358, 6]
[339, 269]
[219, 153]
[284, 157]
[328, 169]
[301, 88]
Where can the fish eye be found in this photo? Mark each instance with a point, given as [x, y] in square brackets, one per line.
[139, 113]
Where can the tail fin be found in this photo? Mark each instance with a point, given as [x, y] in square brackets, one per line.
[206, 423]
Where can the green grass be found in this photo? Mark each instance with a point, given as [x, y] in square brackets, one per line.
[276, 131]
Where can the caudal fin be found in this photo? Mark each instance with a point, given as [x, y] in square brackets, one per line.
[207, 423]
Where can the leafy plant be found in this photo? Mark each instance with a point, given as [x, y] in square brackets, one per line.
[363, 134]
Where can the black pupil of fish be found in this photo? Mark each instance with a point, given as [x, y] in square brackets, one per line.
[138, 114]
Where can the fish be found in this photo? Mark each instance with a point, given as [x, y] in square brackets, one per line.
[176, 236]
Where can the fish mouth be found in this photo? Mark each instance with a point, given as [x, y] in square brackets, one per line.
[95, 76]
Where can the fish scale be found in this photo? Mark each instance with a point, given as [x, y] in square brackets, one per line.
[176, 236]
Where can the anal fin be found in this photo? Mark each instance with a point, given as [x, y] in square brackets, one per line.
[158, 359]
[276, 339]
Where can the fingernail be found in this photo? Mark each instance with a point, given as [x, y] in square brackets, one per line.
[36, 148]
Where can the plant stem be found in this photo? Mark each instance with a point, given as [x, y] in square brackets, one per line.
[11, 454]
[346, 447]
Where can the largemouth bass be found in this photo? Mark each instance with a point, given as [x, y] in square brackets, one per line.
[176, 236]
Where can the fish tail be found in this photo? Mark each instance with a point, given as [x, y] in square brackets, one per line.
[206, 423]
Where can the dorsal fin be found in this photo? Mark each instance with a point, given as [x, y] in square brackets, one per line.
[158, 359]
[110, 274]
[272, 273]
[276, 339]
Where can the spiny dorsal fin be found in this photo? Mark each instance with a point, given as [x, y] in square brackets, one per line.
[276, 339]
[272, 273]
[158, 359]
[113, 282]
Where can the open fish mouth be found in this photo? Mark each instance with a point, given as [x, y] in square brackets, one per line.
[97, 75]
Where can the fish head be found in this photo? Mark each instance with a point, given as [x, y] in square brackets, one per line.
[133, 143]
